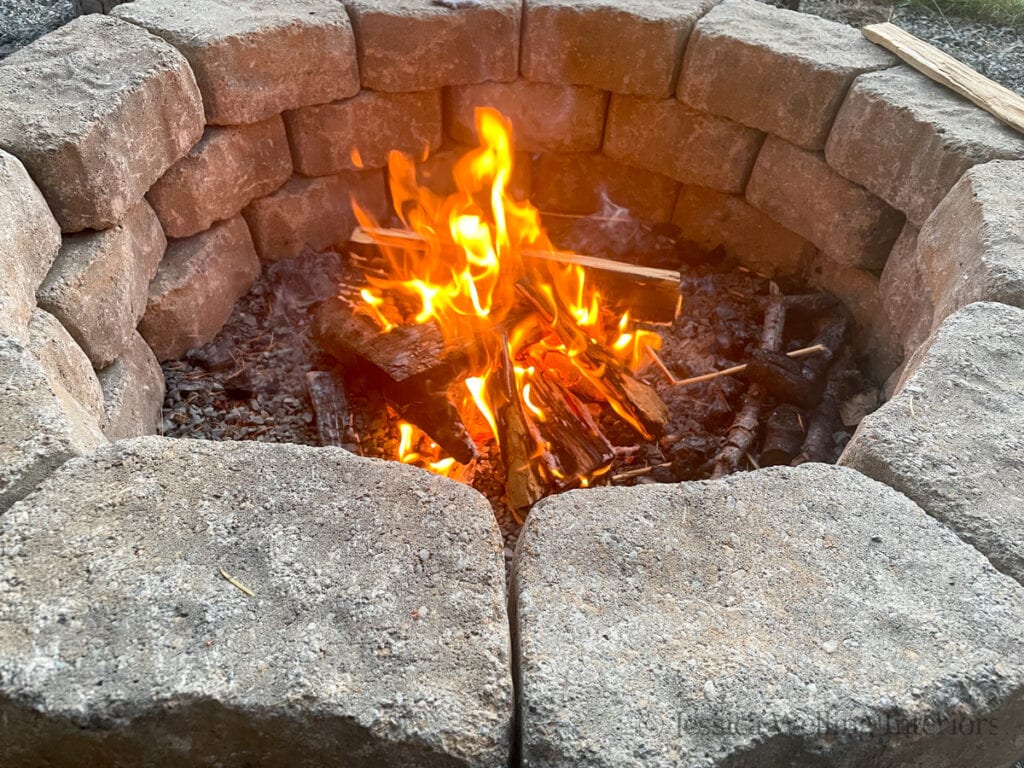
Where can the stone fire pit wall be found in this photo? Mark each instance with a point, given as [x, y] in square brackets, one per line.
[152, 160]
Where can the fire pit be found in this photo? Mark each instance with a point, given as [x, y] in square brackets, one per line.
[533, 248]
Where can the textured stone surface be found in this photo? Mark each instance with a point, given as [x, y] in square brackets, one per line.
[782, 72]
[712, 219]
[66, 366]
[40, 428]
[952, 439]
[972, 247]
[314, 213]
[196, 286]
[545, 117]
[97, 286]
[133, 392]
[255, 59]
[798, 189]
[909, 140]
[582, 183]
[361, 131]
[417, 45]
[97, 111]
[376, 634]
[907, 302]
[630, 47]
[873, 334]
[29, 241]
[22, 21]
[790, 617]
[668, 137]
[228, 169]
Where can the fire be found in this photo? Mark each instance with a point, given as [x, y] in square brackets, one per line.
[474, 265]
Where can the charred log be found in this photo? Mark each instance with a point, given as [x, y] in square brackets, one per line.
[331, 409]
[783, 437]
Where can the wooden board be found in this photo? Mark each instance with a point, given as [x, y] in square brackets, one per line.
[998, 101]
[650, 293]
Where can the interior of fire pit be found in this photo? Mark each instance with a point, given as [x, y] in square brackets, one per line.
[448, 332]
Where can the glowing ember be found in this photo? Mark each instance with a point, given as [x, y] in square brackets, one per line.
[474, 265]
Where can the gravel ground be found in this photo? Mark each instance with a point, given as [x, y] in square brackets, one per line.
[995, 50]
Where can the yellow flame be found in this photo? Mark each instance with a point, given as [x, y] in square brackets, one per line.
[460, 272]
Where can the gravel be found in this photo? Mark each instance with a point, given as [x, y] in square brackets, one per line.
[995, 50]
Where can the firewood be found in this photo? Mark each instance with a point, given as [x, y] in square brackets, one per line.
[570, 432]
[331, 408]
[995, 99]
[634, 400]
[402, 353]
[782, 377]
[522, 447]
[652, 295]
[783, 436]
[437, 416]
[732, 371]
[819, 443]
[745, 426]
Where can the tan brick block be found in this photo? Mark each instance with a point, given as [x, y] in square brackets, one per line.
[632, 47]
[254, 59]
[361, 131]
[714, 219]
[40, 428]
[417, 45]
[909, 140]
[66, 366]
[666, 136]
[544, 117]
[906, 299]
[798, 189]
[587, 183]
[196, 287]
[314, 213]
[133, 392]
[29, 242]
[98, 284]
[97, 111]
[972, 246]
[782, 72]
[228, 169]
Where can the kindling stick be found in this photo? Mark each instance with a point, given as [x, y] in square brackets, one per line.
[795, 354]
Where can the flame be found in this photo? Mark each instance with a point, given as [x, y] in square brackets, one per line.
[461, 271]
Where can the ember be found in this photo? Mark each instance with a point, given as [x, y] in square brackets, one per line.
[483, 330]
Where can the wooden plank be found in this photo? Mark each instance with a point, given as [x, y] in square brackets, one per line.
[998, 101]
[651, 294]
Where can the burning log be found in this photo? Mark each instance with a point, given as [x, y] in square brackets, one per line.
[651, 295]
[632, 399]
[413, 365]
[571, 434]
[522, 447]
[405, 352]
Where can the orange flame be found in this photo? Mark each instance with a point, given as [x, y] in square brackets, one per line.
[461, 273]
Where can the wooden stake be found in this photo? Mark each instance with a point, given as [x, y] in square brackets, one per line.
[998, 101]
[796, 354]
[651, 294]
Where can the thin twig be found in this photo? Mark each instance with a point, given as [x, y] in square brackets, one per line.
[795, 354]
[630, 474]
[236, 583]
